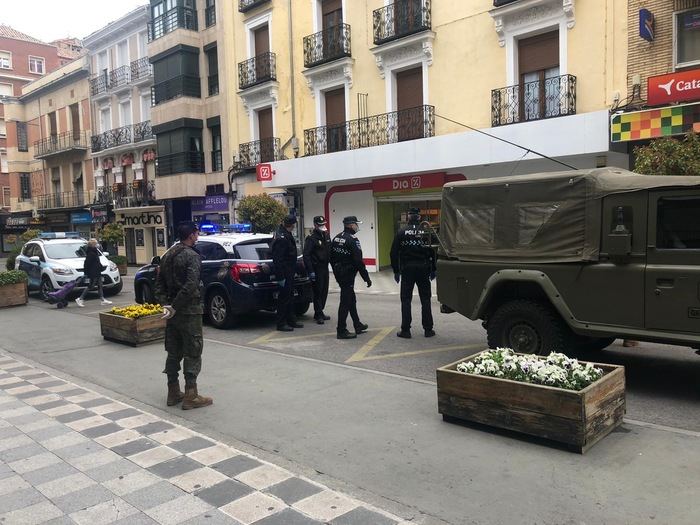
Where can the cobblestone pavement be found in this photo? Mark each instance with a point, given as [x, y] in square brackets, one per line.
[70, 455]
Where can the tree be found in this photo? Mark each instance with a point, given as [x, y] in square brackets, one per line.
[262, 211]
[112, 234]
[669, 156]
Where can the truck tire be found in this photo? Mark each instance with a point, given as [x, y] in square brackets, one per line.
[528, 327]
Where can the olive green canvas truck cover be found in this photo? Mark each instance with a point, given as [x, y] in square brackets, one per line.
[540, 218]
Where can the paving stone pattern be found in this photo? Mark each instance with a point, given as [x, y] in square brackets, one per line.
[69, 455]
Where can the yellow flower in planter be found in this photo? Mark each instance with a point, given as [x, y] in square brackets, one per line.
[134, 311]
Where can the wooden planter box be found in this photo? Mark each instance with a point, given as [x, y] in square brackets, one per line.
[132, 332]
[576, 418]
[13, 295]
[122, 268]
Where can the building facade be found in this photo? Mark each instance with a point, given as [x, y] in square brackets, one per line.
[23, 59]
[122, 143]
[663, 73]
[51, 182]
[377, 104]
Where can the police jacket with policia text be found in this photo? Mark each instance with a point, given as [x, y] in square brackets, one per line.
[284, 253]
[316, 248]
[178, 283]
[346, 257]
[410, 249]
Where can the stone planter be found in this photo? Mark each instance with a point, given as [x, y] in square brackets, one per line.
[132, 332]
[577, 419]
[13, 295]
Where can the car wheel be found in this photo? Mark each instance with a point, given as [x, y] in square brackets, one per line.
[528, 327]
[114, 290]
[46, 288]
[144, 294]
[301, 308]
[219, 310]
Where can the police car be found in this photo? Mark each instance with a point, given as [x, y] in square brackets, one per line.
[54, 259]
[238, 278]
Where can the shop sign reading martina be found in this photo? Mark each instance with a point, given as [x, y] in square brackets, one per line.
[674, 87]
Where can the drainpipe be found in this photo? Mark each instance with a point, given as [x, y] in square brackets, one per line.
[293, 139]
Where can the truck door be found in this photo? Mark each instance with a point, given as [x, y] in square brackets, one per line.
[672, 280]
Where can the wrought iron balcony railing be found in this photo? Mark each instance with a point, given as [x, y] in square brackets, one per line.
[376, 130]
[176, 18]
[141, 69]
[217, 161]
[257, 70]
[138, 193]
[99, 84]
[120, 76]
[247, 5]
[330, 44]
[553, 97]
[60, 143]
[401, 18]
[263, 150]
[213, 85]
[182, 86]
[64, 199]
[122, 136]
[185, 162]
[210, 15]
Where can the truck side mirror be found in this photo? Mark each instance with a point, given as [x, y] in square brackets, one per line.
[620, 239]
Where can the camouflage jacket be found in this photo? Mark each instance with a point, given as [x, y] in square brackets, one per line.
[178, 282]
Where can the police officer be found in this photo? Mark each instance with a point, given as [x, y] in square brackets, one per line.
[178, 288]
[346, 261]
[316, 248]
[413, 262]
[284, 259]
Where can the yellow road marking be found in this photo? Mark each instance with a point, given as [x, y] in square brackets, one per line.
[478, 346]
[269, 338]
[370, 345]
[264, 338]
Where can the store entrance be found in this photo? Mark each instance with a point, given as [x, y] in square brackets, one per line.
[392, 215]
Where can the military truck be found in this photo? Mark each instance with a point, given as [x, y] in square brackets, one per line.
[573, 260]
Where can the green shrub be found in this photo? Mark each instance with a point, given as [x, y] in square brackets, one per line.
[12, 277]
[10, 262]
[669, 156]
[262, 211]
[112, 234]
[117, 259]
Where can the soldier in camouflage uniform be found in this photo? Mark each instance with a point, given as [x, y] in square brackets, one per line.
[178, 289]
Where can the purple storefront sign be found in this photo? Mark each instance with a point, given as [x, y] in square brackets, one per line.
[210, 203]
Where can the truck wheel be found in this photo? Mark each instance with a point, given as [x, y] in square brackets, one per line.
[219, 310]
[528, 327]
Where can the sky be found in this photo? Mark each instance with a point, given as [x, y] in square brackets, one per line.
[49, 20]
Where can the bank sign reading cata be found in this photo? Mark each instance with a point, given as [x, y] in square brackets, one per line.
[674, 87]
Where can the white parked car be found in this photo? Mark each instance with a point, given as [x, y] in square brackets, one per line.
[54, 259]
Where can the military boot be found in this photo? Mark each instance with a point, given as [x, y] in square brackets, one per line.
[175, 395]
[193, 399]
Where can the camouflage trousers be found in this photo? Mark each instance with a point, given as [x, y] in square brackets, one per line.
[183, 342]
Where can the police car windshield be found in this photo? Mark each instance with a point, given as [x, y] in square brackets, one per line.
[65, 250]
[257, 251]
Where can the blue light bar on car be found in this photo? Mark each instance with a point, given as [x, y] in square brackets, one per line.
[59, 235]
[241, 228]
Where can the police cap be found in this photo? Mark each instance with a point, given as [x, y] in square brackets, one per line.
[414, 211]
[319, 220]
[351, 219]
[289, 220]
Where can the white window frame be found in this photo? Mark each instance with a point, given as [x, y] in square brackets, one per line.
[10, 59]
[255, 23]
[145, 106]
[676, 64]
[4, 168]
[43, 64]
[318, 10]
[12, 89]
[129, 113]
[111, 120]
[6, 196]
[3, 127]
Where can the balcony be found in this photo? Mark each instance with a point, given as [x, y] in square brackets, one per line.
[99, 85]
[185, 162]
[248, 5]
[60, 143]
[210, 15]
[400, 19]
[119, 77]
[182, 86]
[138, 193]
[176, 18]
[327, 45]
[253, 153]
[554, 97]
[377, 130]
[66, 199]
[126, 135]
[141, 70]
[257, 70]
